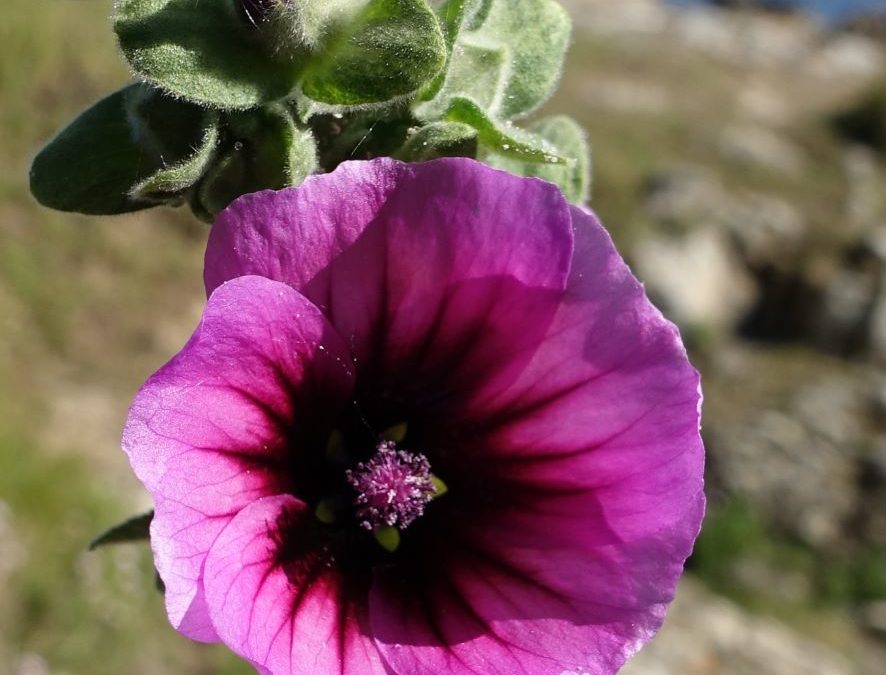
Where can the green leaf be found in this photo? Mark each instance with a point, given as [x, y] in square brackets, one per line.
[390, 50]
[91, 166]
[452, 14]
[503, 138]
[134, 529]
[359, 135]
[440, 139]
[570, 141]
[475, 72]
[536, 33]
[507, 57]
[168, 127]
[170, 182]
[313, 20]
[262, 149]
[476, 12]
[203, 51]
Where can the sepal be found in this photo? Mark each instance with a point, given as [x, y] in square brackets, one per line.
[169, 183]
[440, 139]
[133, 529]
[569, 141]
[262, 149]
[503, 138]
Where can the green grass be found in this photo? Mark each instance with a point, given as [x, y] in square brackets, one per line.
[86, 303]
[825, 585]
[85, 612]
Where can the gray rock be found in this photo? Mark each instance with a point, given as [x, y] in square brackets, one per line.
[746, 38]
[32, 664]
[847, 55]
[875, 242]
[698, 261]
[706, 635]
[765, 579]
[683, 195]
[761, 147]
[767, 229]
[805, 484]
[764, 103]
[871, 518]
[863, 195]
[695, 278]
[876, 337]
[841, 322]
[789, 442]
[626, 16]
[874, 615]
[622, 95]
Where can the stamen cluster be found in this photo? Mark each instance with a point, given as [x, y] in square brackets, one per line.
[392, 488]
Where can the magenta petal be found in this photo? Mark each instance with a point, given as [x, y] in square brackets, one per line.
[491, 616]
[278, 602]
[503, 336]
[596, 453]
[610, 404]
[409, 262]
[208, 433]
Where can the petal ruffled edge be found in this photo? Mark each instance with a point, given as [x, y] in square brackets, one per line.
[279, 602]
[598, 442]
[398, 254]
[205, 433]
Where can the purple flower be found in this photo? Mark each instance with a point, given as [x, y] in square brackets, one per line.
[429, 423]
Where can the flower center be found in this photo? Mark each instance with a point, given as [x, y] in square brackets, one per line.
[392, 488]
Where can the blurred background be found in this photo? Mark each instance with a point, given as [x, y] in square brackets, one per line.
[740, 163]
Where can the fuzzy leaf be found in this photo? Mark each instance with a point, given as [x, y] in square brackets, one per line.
[311, 21]
[503, 138]
[567, 137]
[263, 149]
[476, 12]
[440, 139]
[507, 57]
[168, 127]
[361, 135]
[390, 50]
[134, 529]
[452, 15]
[475, 72]
[536, 33]
[202, 51]
[169, 182]
[91, 166]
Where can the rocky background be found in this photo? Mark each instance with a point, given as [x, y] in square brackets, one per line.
[740, 163]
